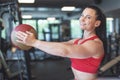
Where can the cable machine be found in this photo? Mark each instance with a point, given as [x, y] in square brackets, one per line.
[13, 19]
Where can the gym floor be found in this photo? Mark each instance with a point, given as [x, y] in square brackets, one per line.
[52, 69]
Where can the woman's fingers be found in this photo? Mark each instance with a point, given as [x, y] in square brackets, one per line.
[21, 36]
[28, 32]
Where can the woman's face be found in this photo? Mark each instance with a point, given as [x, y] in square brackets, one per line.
[88, 19]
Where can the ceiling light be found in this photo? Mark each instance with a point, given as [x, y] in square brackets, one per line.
[68, 8]
[27, 9]
[26, 1]
[51, 18]
[110, 19]
[26, 16]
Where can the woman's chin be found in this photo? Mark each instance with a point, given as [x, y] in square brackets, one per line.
[82, 28]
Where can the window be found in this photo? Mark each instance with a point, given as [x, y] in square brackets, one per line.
[75, 29]
[109, 25]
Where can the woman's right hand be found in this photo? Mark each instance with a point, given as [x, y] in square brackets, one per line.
[26, 38]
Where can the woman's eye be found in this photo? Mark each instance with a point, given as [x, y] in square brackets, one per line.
[88, 17]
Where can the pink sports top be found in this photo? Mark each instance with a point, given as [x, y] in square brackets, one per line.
[89, 65]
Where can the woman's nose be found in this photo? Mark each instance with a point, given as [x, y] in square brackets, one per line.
[82, 18]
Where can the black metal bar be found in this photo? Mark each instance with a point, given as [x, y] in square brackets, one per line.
[27, 62]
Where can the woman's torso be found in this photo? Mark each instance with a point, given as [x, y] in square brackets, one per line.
[85, 74]
[79, 75]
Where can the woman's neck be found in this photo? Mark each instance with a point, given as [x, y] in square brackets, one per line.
[88, 34]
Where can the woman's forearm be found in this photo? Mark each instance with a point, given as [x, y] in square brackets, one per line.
[54, 48]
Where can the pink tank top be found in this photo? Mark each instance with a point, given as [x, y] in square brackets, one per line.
[89, 65]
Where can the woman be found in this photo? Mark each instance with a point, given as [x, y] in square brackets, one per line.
[86, 53]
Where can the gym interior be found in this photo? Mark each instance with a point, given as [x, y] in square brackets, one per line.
[54, 24]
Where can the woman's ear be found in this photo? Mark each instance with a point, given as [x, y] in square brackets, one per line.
[97, 24]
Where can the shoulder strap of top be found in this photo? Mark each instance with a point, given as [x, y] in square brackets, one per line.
[91, 38]
[76, 41]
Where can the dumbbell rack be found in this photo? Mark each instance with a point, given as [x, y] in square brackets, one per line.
[112, 66]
